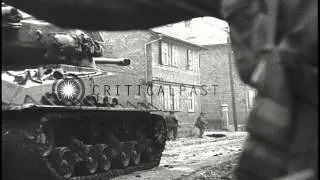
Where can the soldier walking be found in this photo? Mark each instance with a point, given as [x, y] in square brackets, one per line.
[172, 124]
[200, 124]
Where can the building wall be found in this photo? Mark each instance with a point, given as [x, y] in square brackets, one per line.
[142, 48]
[215, 71]
[179, 78]
[131, 45]
[128, 44]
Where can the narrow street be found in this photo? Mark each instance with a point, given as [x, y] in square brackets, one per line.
[211, 157]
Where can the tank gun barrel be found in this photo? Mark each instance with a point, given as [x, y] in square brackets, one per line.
[117, 61]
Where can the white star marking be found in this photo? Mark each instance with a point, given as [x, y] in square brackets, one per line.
[68, 90]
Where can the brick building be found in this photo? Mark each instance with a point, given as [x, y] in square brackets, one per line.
[125, 45]
[218, 67]
[174, 65]
[169, 64]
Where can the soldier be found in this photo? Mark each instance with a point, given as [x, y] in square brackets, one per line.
[200, 124]
[172, 124]
[76, 48]
[275, 44]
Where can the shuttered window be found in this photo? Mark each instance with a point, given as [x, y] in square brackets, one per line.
[170, 100]
[191, 102]
[176, 99]
[164, 53]
[175, 56]
[189, 59]
[167, 98]
[169, 54]
[193, 59]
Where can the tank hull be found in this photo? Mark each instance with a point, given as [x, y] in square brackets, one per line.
[114, 128]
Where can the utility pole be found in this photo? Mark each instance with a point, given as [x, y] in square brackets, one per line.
[234, 111]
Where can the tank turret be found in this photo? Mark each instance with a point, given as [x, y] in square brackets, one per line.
[29, 41]
[59, 120]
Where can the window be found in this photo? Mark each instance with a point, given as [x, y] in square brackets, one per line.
[197, 59]
[175, 56]
[167, 98]
[96, 35]
[176, 99]
[161, 101]
[189, 60]
[170, 100]
[165, 53]
[169, 54]
[191, 102]
[193, 57]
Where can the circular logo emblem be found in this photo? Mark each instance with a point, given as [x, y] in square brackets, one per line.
[69, 90]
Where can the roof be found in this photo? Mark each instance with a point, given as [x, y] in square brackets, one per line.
[163, 35]
[200, 31]
[216, 45]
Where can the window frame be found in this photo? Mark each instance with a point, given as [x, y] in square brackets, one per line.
[167, 99]
[189, 59]
[177, 102]
[164, 51]
[193, 57]
[169, 102]
[169, 54]
[174, 55]
[191, 102]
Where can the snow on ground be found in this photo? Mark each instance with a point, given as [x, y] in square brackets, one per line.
[196, 150]
[192, 157]
[220, 170]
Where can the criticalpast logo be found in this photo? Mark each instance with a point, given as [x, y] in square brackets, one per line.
[69, 90]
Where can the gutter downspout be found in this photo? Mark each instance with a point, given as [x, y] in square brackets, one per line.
[234, 109]
[146, 55]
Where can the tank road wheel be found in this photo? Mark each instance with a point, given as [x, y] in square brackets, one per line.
[135, 155]
[63, 161]
[124, 159]
[105, 157]
[149, 154]
[121, 155]
[91, 159]
[160, 133]
[45, 139]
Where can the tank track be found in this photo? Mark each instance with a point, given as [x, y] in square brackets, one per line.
[117, 172]
[51, 175]
[22, 160]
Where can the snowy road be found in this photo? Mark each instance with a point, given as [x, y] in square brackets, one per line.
[186, 158]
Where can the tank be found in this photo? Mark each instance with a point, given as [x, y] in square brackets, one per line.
[54, 123]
